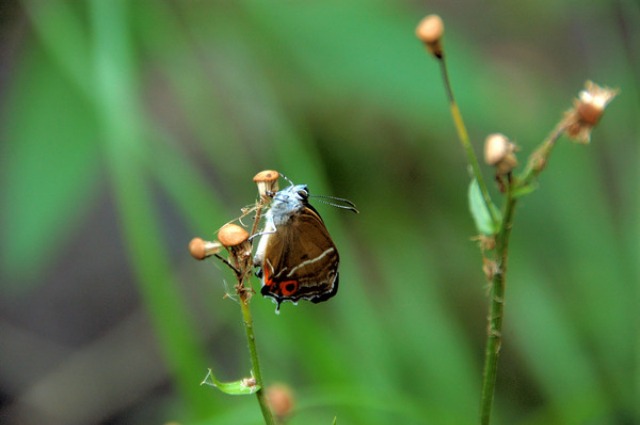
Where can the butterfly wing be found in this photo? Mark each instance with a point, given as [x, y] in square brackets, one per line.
[300, 260]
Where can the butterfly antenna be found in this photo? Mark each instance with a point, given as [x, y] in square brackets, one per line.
[287, 179]
[337, 202]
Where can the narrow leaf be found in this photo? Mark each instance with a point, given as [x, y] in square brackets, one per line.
[242, 387]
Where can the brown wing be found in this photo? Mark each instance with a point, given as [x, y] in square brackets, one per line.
[301, 260]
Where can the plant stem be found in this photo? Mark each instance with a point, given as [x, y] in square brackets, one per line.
[466, 143]
[538, 159]
[496, 314]
[536, 163]
[494, 331]
[255, 362]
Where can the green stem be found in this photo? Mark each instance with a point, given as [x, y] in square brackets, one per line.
[255, 362]
[496, 314]
[538, 159]
[466, 143]
[535, 165]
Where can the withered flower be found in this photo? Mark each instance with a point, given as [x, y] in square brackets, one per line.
[587, 111]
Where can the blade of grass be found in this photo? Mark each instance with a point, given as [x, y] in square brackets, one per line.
[49, 160]
[203, 95]
[546, 338]
[125, 152]
[61, 32]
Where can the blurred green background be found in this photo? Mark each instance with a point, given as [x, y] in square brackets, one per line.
[129, 127]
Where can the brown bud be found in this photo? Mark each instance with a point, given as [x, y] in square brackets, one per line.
[500, 153]
[231, 235]
[430, 31]
[267, 182]
[280, 400]
[236, 240]
[201, 249]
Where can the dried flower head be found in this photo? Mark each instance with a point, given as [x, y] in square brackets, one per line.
[587, 111]
[280, 400]
[231, 235]
[236, 240]
[267, 182]
[430, 31]
[201, 249]
[499, 152]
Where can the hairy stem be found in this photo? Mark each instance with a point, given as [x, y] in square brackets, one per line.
[496, 312]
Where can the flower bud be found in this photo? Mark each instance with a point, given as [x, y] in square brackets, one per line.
[267, 182]
[500, 153]
[280, 400]
[201, 249]
[430, 31]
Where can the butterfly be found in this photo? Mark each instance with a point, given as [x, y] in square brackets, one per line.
[296, 255]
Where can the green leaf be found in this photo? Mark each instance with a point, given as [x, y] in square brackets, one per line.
[244, 386]
[480, 211]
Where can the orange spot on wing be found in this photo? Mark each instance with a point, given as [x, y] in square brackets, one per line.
[266, 279]
[288, 287]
